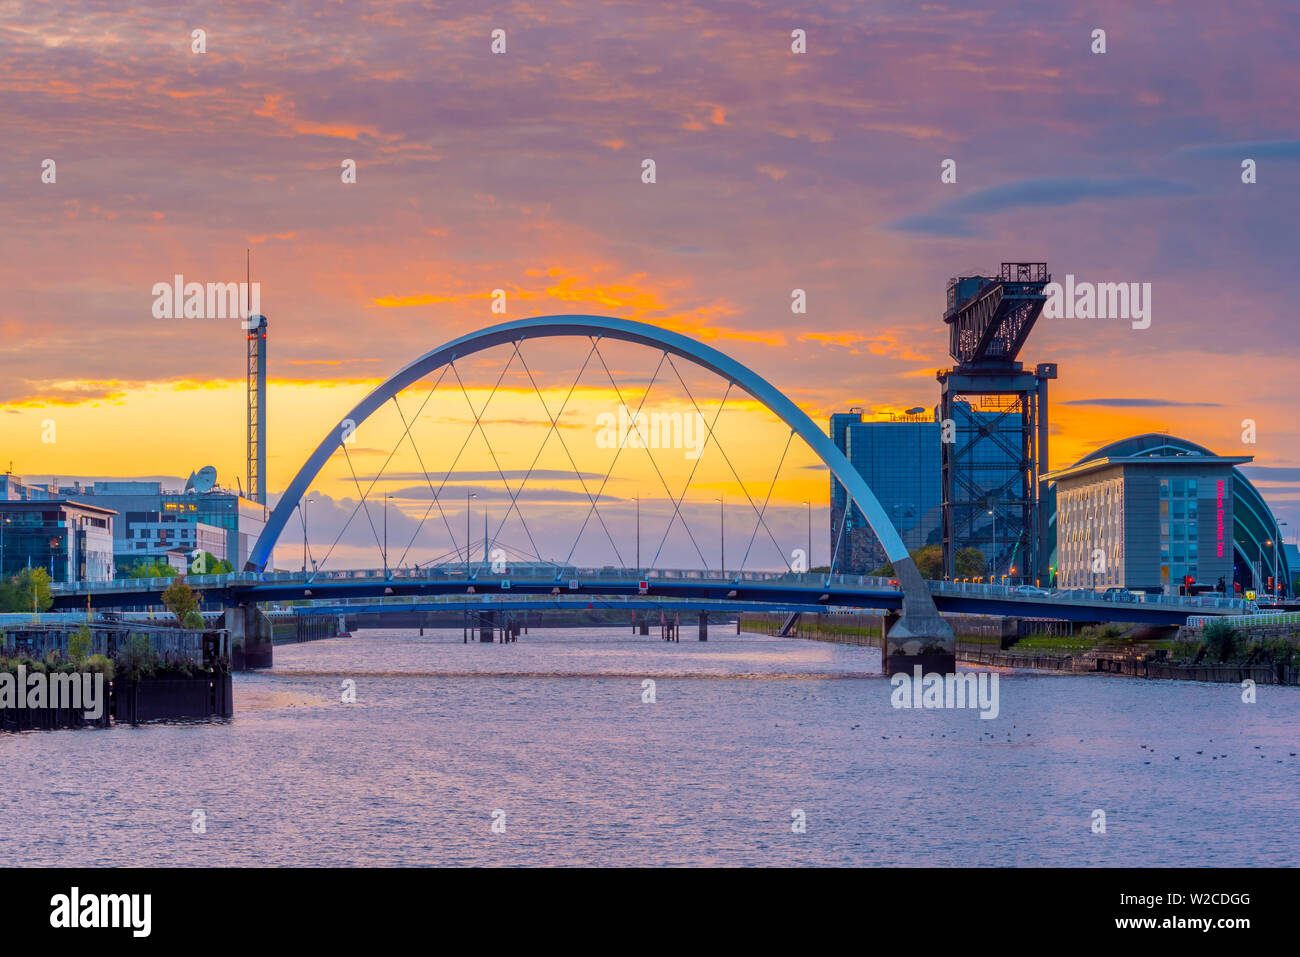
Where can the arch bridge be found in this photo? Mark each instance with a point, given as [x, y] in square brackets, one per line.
[919, 636]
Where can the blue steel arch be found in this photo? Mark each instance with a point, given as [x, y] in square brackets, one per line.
[626, 330]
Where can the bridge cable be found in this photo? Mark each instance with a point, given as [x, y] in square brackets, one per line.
[770, 488]
[478, 423]
[849, 504]
[367, 492]
[637, 420]
[690, 478]
[420, 459]
[446, 475]
[622, 445]
[554, 420]
[727, 458]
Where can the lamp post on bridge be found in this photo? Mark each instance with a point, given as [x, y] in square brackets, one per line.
[386, 497]
[637, 499]
[722, 540]
[808, 556]
[993, 565]
[468, 495]
[1277, 578]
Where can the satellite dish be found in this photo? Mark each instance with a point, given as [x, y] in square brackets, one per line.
[202, 480]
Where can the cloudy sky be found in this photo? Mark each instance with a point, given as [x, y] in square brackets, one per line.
[522, 171]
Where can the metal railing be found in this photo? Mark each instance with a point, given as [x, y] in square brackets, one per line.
[561, 575]
[1263, 619]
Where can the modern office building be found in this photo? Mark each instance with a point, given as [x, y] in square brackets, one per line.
[1145, 522]
[152, 520]
[1250, 530]
[900, 459]
[150, 536]
[72, 541]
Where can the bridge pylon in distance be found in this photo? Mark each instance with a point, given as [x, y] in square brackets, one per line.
[993, 414]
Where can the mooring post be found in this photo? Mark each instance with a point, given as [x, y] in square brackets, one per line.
[704, 626]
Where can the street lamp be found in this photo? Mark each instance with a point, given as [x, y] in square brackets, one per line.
[302, 507]
[386, 498]
[468, 495]
[1277, 579]
[637, 499]
[722, 527]
[808, 557]
[993, 566]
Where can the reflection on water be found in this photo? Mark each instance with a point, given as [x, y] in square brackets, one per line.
[744, 730]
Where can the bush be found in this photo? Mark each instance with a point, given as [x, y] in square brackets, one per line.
[136, 659]
[98, 664]
[1220, 639]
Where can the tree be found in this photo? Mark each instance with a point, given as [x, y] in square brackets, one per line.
[969, 563]
[80, 644]
[153, 570]
[180, 600]
[33, 590]
[929, 561]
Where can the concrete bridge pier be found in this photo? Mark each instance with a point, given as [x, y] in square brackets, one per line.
[251, 641]
[645, 625]
[486, 627]
[920, 635]
[704, 626]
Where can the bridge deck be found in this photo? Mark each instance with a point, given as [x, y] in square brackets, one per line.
[753, 590]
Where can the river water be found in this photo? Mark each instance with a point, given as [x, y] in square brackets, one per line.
[550, 737]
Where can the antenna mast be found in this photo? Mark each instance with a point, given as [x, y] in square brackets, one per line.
[256, 422]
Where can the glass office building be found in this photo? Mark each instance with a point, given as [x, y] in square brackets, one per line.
[70, 540]
[151, 521]
[901, 460]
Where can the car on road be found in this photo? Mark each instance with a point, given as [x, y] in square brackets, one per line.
[1118, 593]
[1031, 590]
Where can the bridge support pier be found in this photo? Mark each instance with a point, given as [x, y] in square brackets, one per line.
[704, 626]
[485, 627]
[920, 635]
[250, 637]
[645, 625]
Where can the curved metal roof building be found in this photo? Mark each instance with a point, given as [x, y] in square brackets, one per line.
[1253, 521]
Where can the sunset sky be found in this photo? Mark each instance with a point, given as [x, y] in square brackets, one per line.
[522, 171]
